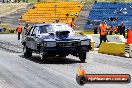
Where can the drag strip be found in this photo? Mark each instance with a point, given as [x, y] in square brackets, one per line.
[10, 43]
[10, 47]
[16, 71]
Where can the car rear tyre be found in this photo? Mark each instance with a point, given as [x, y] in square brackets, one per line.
[82, 56]
[27, 52]
[43, 56]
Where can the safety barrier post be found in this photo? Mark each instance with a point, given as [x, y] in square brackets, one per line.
[128, 50]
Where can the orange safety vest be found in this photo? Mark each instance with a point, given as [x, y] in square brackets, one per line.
[19, 28]
[129, 39]
[103, 29]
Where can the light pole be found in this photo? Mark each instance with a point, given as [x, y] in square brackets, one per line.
[55, 10]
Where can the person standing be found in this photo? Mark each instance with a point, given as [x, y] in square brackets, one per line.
[122, 29]
[110, 30]
[116, 30]
[19, 30]
[95, 28]
[103, 32]
[72, 23]
[129, 36]
[24, 31]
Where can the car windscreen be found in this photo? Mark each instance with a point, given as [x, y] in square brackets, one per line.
[62, 27]
[45, 29]
[54, 28]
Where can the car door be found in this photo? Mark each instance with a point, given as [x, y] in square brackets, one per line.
[34, 38]
[31, 39]
[28, 38]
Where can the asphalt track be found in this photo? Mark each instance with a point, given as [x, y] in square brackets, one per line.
[19, 72]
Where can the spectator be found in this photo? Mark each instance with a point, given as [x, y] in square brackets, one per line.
[110, 30]
[57, 21]
[111, 19]
[72, 24]
[95, 28]
[116, 30]
[122, 29]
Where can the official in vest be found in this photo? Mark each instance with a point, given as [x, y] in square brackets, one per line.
[129, 36]
[103, 32]
[19, 30]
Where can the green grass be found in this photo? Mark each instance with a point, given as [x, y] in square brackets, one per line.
[8, 29]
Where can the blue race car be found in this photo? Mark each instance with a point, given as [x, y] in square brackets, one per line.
[55, 39]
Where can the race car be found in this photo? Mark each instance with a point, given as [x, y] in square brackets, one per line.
[55, 39]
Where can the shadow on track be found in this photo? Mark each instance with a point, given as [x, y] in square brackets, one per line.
[52, 60]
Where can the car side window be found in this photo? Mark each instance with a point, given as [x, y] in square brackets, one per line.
[50, 29]
[31, 31]
[36, 30]
[43, 29]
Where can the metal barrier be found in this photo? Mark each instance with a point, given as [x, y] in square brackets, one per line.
[112, 48]
[95, 38]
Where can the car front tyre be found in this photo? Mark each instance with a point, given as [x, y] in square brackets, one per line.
[82, 56]
[27, 52]
[43, 55]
